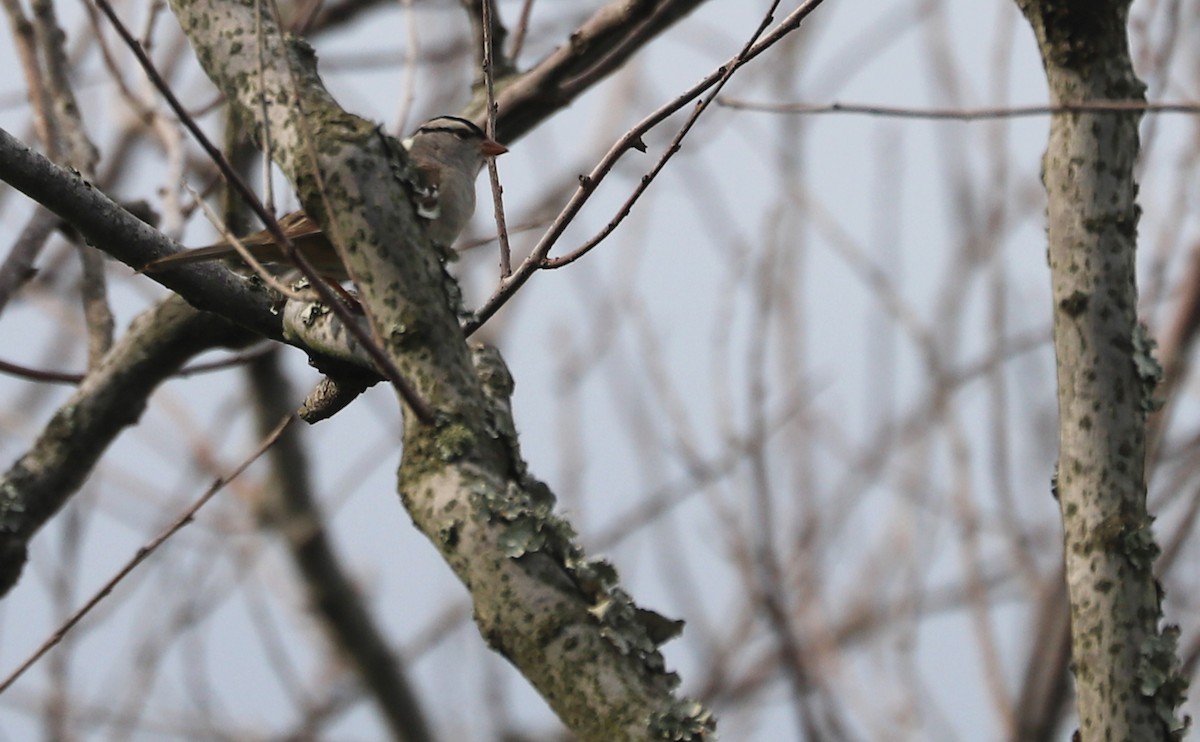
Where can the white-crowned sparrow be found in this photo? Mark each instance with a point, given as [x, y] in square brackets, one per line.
[447, 151]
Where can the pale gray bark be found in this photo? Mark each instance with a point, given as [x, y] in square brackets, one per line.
[558, 617]
[1125, 666]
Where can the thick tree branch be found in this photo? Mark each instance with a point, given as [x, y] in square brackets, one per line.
[595, 50]
[1126, 667]
[559, 618]
[104, 223]
[111, 398]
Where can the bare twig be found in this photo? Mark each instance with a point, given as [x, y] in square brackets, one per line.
[63, 377]
[671, 150]
[490, 34]
[518, 39]
[599, 46]
[489, 88]
[26, 44]
[36, 374]
[964, 114]
[184, 518]
[408, 87]
[631, 140]
[96, 311]
[17, 267]
[292, 511]
[419, 407]
[78, 151]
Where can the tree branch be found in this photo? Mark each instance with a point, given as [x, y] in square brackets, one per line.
[1126, 667]
[558, 617]
[110, 399]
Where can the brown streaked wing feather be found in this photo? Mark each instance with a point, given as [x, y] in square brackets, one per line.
[261, 245]
[184, 257]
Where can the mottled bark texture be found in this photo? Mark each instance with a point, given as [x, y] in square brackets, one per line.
[558, 617]
[1127, 682]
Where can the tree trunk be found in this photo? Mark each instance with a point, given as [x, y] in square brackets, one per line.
[1125, 669]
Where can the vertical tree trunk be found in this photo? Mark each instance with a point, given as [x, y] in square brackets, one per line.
[1125, 669]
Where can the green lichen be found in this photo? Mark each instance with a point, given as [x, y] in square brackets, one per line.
[1138, 545]
[453, 441]
[687, 719]
[1108, 531]
[493, 372]
[12, 507]
[593, 577]
[1148, 369]
[1129, 535]
[1160, 678]
[526, 517]
[497, 384]
[521, 537]
[635, 631]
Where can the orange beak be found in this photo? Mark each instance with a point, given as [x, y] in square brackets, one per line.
[491, 148]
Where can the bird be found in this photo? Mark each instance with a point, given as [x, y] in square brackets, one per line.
[447, 151]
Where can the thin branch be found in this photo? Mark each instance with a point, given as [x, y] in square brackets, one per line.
[518, 39]
[184, 518]
[77, 151]
[112, 397]
[631, 140]
[39, 97]
[597, 48]
[65, 377]
[40, 375]
[419, 407]
[17, 268]
[130, 238]
[964, 114]
[291, 510]
[490, 35]
[489, 88]
[670, 152]
[412, 50]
